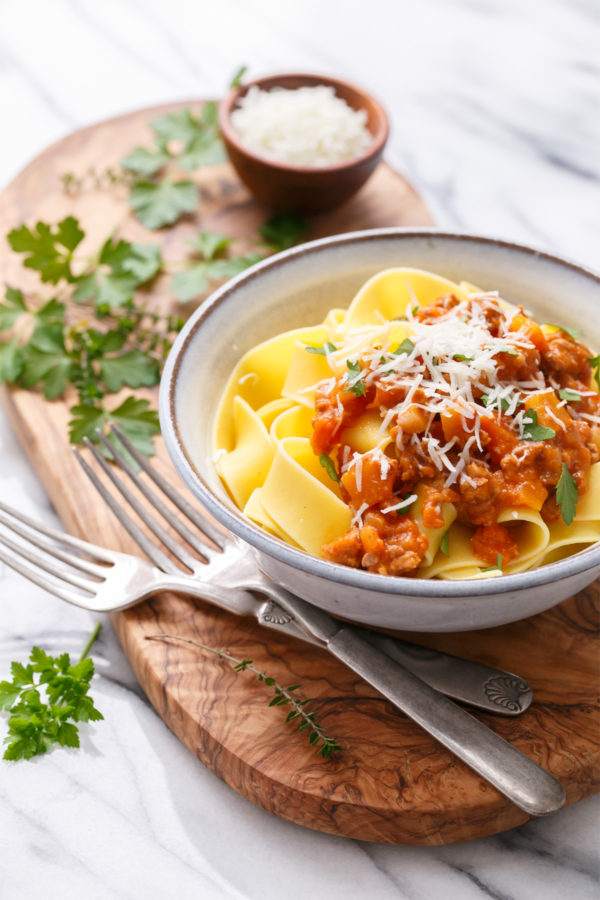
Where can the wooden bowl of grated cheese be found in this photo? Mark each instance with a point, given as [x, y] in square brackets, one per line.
[303, 143]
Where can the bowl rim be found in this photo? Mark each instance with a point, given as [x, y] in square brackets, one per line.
[299, 559]
[230, 135]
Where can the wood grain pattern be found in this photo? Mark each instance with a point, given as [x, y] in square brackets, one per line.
[392, 782]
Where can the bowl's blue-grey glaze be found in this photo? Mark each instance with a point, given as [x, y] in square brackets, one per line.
[296, 288]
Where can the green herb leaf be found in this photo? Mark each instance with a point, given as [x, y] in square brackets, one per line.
[445, 543]
[534, 432]
[194, 281]
[46, 361]
[329, 466]
[202, 145]
[49, 249]
[567, 495]
[11, 361]
[497, 567]
[569, 395]
[163, 203]
[502, 403]
[133, 368]
[237, 78]
[210, 243]
[572, 332]
[145, 162]
[283, 230]
[462, 358]
[38, 722]
[511, 351]
[134, 417]
[405, 348]
[323, 349]
[358, 388]
[12, 309]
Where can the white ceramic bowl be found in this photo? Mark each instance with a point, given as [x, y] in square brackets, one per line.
[296, 288]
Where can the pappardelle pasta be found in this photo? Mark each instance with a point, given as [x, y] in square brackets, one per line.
[430, 430]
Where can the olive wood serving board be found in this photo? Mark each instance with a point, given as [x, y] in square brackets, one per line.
[392, 782]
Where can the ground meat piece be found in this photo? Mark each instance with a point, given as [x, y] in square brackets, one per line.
[435, 310]
[477, 503]
[566, 355]
[385, 544]
[523, 365]
[542, 457]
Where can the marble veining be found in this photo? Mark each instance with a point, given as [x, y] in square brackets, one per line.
[494, 106]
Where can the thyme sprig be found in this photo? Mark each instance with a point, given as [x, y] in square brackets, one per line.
[282, 696]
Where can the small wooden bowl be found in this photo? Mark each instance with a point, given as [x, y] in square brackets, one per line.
[302, 188]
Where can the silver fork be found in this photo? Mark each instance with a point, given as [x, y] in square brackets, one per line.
[227, 575]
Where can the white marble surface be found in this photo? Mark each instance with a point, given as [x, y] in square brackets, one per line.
[495, 108]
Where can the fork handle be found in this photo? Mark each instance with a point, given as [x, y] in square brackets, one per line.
[516, 776]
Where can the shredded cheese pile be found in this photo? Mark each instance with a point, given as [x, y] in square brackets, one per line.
[308, 126]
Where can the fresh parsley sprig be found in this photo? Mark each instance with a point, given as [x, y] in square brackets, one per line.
[183, 140]
[498, 566]
[283, 696]
[212, 260]
[45, 699]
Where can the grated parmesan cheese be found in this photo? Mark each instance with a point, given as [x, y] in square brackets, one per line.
[308, 126]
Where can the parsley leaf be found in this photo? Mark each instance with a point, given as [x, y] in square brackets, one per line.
[214, 266]
[329, 466]
[445, 543]
[406, 347]
[47, 360]
[133, 368]
[325, 348]
[358, 388]
[283, 230]
[49, 249]
[146, 162]
[162, 203]
[567, 495]
[11, 361]
[129, 266]
[38, 722]
[462, 358]
[534, 432]
[237, 78]
[569, 395]
[502, 403]
[202, 145]
[572, 332]
[134, 418]
[498, 566]
[12, 309]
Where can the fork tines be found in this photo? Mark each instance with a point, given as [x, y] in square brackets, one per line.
[120, 449]
[53, 560]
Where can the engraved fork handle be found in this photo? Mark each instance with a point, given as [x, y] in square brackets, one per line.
[516, 776]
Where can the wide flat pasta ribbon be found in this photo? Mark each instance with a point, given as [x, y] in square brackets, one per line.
[388, 294]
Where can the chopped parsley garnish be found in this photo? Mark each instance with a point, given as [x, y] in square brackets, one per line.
[512, 351]
[572, 332]
[567, 495]
[323, 349]
[534, 432]
[445, 543]
[502, 403]
[358, 388]
[329, 466]
[406, 347]
[569, 395]
[460, 357]
[497, 567]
